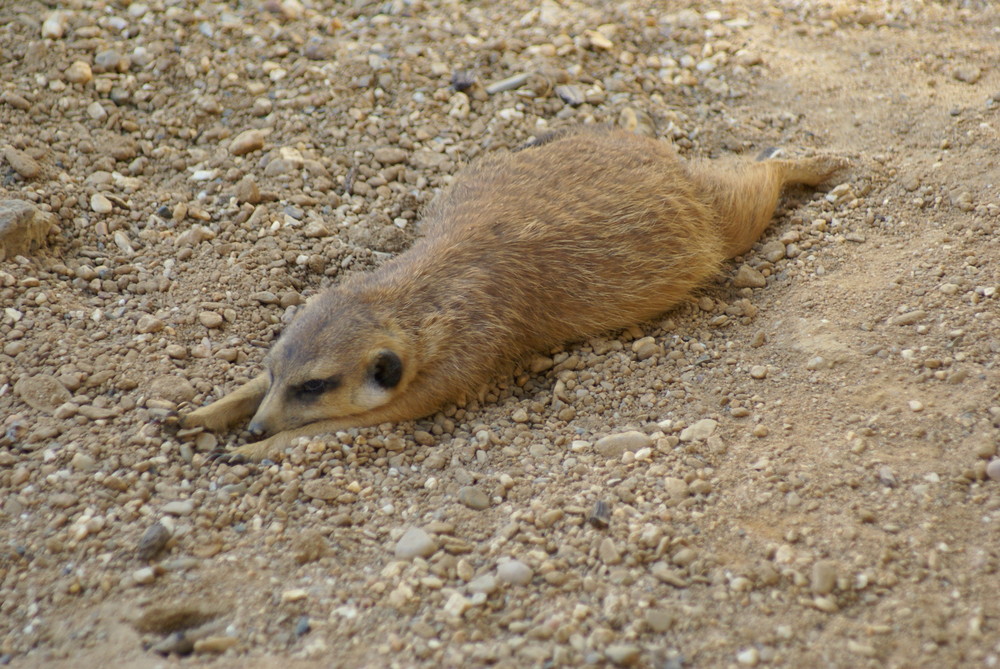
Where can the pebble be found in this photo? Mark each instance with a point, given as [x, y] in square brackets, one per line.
[215, 644]
[22, 163]
[824, 577]
[645, 348]
[322, 489]
[247, 190]
[486, 584]
[148, 323]
[908, 318]
[79, 73]
[748, 277]
[749, 657]
[179, 508]
[246, 142]
[54, 25]
[100, 204]
[23, 227]
[758, 372]
[514, 572]
[389, 155]
[623, 654]
[415, 543]
[613, 445]
[153, 541]
[968, 74]
[773, 251]
[144, 575]
[473, 497]
[608, 552]
[677, 489]
[82, 462]
[993, 469]
[171, 387]
[703, 429]
[571, 94]
[210, 319]
[42, 392]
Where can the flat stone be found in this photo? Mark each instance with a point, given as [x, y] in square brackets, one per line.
[100, 204]
[389, 155]
[415, 543]
[487, 584]
[515, 572]
[148, 323]
[614, 445]
[676, 488]
[246, 142]
[623, 654]
[171, 387]
[22, 163]
[824, 577]
[42, 392]
[473, 497]
[210, 319]
[703, 429]
[23, 228]
[748, 277]
[909, 318]
[773, 251]
[179, 508]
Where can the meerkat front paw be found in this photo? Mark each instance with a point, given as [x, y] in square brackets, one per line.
[212, 417]
[272, 448]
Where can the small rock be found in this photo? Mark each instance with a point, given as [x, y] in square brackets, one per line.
[54, 26]
[486, 584]
[321, 489]
[144, 575]
[171, 387]
[908, 318]
[79, 73]
[148, 323]
[100, 204]
[153, 541]
[824, 577]
[623, 654]
[210, 319]
[660, 620]
[749, 657]
[215, 644]
[519, 416]
[645, 348]
[82, 462]
[42, 392]
[676, 488]
[389, 155]
[703, 429]
[473, 497]
[773, 251]
[179, 508]
[23, 228]
[758, 372]
[294, 595]
[21, 162]
[515, 572]
[993, 469]
[246, 142]
[613, 445]
[415, 543]
[968, 74]
[571, 94]
[608, 552]
[748, 277]
[247, 190]
[110, 60]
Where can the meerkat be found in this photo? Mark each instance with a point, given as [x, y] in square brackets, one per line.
[577, 235]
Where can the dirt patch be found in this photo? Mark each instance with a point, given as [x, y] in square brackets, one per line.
[797, 473]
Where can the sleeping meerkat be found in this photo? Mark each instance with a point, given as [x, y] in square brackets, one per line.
[589, 231]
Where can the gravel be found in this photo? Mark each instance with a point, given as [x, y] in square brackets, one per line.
[802, 456]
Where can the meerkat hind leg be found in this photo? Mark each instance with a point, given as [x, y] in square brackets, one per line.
[230, 409]
[745, 193]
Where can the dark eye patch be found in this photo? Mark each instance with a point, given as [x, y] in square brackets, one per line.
[313, 388]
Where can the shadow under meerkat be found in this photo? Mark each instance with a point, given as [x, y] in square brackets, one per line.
[586, 232]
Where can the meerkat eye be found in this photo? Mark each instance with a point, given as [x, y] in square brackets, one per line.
[387, 370]
[313, 388]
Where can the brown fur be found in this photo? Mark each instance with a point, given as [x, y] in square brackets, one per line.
[589, 232]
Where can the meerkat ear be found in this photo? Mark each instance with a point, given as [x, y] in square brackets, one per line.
[387, 369]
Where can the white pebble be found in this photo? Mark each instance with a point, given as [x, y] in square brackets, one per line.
[515, 572]
[100, 204]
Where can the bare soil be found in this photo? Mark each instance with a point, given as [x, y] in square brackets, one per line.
[802, 474]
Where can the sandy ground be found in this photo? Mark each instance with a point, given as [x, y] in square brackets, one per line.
[797, 474]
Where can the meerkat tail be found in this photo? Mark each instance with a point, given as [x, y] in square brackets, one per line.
[745, 192]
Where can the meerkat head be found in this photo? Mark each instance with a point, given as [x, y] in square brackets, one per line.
[336, 359]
